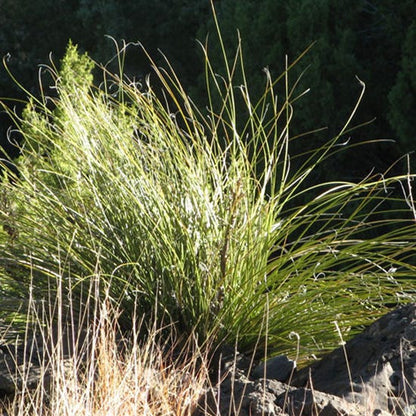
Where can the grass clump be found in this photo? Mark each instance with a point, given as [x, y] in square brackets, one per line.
[197, 218]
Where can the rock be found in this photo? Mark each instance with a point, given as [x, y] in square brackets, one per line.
[306, 402]
[379, 378]
[227, 359]
[15, 366]
[262, 402]
[24, 361]
[235, 394]
[381, 361]
[6, 367]
[242, 397]
[278, 368]
[409, 410]
[229, 395]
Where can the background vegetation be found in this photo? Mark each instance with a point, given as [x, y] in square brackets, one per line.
[371, 39]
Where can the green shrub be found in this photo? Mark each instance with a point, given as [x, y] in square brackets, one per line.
[182, 217]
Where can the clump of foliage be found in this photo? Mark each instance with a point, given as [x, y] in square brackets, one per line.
[181, 216]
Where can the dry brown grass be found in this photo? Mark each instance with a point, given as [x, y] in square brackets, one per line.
[112, 375]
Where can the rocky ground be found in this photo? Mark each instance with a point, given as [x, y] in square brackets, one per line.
[380, 378]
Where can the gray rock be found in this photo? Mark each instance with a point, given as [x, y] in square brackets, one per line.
[232, 396]
[307, 402]
[379, 378]
[409, 410]
[381, 361]
[278, 368]
[237, 395]
[234, 393]
[242, 397]
[263, 403]
[18, 368]
[23, 361]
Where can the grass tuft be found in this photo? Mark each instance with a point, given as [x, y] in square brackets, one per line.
[197, 217]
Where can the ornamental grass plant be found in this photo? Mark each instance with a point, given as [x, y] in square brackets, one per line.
[196, 217]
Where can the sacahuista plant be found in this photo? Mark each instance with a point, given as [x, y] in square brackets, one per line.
[196, 217]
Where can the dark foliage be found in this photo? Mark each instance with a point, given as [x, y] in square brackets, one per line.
[369, 39]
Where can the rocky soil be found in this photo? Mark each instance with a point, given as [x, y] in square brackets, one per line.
[379, 380]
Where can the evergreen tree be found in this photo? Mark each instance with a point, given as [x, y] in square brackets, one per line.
[369, 39]
[402, 97]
